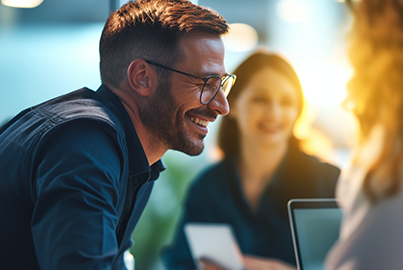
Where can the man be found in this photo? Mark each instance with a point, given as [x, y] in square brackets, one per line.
[77, 171]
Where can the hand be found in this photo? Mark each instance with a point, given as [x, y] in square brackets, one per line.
[258, 263]
[207, 264]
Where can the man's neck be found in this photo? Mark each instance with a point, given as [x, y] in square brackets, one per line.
[152, 146]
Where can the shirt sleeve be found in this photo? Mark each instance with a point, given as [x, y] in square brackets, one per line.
[76, 193]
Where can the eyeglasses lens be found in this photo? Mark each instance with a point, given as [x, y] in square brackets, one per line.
[211, 87]
[227, 85]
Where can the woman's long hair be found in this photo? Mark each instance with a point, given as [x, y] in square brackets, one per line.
[376, 89]
[228, 133]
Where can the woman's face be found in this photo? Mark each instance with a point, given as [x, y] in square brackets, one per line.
[267, 109]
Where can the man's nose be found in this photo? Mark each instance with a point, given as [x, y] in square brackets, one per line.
[219, 104]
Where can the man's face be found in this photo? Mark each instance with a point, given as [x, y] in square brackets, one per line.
[175, 113]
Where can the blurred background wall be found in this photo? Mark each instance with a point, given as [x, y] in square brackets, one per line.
[52, 49]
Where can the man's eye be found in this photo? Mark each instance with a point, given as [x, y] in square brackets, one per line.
[200, 84]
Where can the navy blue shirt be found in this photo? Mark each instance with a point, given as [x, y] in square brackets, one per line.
[217, 197]
[74, 180]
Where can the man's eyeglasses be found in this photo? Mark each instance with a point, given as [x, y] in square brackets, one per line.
[211, 86]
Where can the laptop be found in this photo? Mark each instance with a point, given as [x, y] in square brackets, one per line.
[315, 226]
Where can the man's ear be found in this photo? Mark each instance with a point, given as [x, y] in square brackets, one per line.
[140, 77]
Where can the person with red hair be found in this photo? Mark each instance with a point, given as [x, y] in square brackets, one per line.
[370, 190]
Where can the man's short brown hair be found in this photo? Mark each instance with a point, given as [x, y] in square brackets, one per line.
[150, 30]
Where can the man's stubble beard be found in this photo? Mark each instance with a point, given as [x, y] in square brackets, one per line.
[160, 117]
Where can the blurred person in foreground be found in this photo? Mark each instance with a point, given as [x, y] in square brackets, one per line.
[370, 189]
[262, 169]
[76, 171]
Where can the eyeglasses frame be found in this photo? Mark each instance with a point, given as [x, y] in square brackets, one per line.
[205, 79]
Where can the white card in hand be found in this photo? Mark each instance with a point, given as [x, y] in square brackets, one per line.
[215, 242]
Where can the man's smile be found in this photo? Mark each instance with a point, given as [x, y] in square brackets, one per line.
[199, 121]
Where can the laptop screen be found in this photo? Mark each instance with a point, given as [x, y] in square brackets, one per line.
[315, 225]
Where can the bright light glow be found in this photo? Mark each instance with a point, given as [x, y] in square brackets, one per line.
[323, 83]
[22, 3]
[332, 143]
[242, 37]
[313, 141]
[129, 260]
[294, 11]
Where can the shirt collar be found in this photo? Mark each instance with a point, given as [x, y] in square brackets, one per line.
[138, 162]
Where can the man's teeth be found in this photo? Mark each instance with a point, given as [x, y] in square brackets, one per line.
[199, 121]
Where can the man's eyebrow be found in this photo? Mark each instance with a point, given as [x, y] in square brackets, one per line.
[209, 73]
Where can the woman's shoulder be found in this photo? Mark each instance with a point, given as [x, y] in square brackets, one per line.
[312, 163]
[215, 178]
[309, 176]
[212, 173]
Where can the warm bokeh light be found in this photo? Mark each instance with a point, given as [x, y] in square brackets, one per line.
[22, 3]
[329, 144]
[324, 83]
[313, 141]
[242, 37]
[324, 127]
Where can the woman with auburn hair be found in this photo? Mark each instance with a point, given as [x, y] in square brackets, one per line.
[370, 190]
[262, 169]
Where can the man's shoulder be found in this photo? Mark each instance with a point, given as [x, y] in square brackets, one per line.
[78, 108]
[79, 104]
